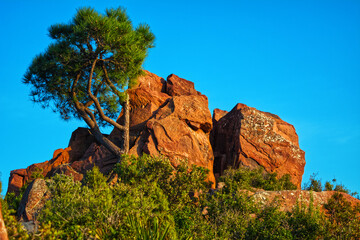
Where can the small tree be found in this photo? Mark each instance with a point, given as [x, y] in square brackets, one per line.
[87, 70]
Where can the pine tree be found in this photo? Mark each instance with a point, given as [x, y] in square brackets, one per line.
[86, 71]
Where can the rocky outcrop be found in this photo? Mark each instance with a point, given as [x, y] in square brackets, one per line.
[3, 232]
[171, 118]
[20, 177]
[33, 200]
[252, 138]
[167, 118]
[81, 139]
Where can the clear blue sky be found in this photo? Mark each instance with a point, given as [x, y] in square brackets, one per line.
[297, 59]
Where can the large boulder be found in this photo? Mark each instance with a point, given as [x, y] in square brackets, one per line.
[179, 130]
[176, 86]
[252, 138]
[33, 200]
[169, 118]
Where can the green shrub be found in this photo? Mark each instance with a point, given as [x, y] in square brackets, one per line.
[306, 222]
[244, 178]
[229, 213]
[95, 208]
[13, 227]
[182, 187]
[343, 219]
[151, 199]
[314, 184]
[270, 223]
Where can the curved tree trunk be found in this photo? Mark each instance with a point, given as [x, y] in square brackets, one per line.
[106, 142]
[126, 134]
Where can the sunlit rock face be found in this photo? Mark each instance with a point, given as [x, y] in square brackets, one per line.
[248, 137]
[171, 118]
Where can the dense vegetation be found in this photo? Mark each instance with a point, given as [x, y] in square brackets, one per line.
[145, 198]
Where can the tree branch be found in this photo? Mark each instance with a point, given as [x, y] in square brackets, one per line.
[97, 104]
[109, 83]
[79, 106]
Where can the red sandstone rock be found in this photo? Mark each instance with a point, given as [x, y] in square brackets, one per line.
[143, 104]
[98, 156]
[3, 232]
[180, 130]
[172, 118]
[67, 170]
[20, 177]
[248, 137]
[176, 86]
[175, 124]
[151, 81]
[218, 114]
[33, 200]
[80, 141]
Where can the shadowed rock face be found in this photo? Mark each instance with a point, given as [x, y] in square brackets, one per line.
[248, 137]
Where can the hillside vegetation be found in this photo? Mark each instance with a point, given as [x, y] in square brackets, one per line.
[146, 198]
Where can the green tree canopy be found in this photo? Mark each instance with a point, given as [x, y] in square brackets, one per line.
[89, 66]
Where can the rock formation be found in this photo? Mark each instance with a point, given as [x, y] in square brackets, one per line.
[168, 118]
[252, 138]
[33, 200]
[80, 141]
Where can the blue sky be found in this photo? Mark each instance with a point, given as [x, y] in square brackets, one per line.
[297, 59]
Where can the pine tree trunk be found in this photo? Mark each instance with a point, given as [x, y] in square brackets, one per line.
[106, 142]
[126, 133]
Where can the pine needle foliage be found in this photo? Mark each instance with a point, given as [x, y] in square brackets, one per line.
[102, 48]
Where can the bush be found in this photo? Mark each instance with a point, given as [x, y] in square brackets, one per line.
[314, 184]
[244, 178]
[13, 227]
[270, 223]
[343, 219]
[151, 199]
[183, 187]
[306, 222]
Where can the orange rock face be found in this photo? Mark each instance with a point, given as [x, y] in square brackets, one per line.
[174, 122]
[79, 142]
[248, 137]
[171, 118]
[168, 117]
